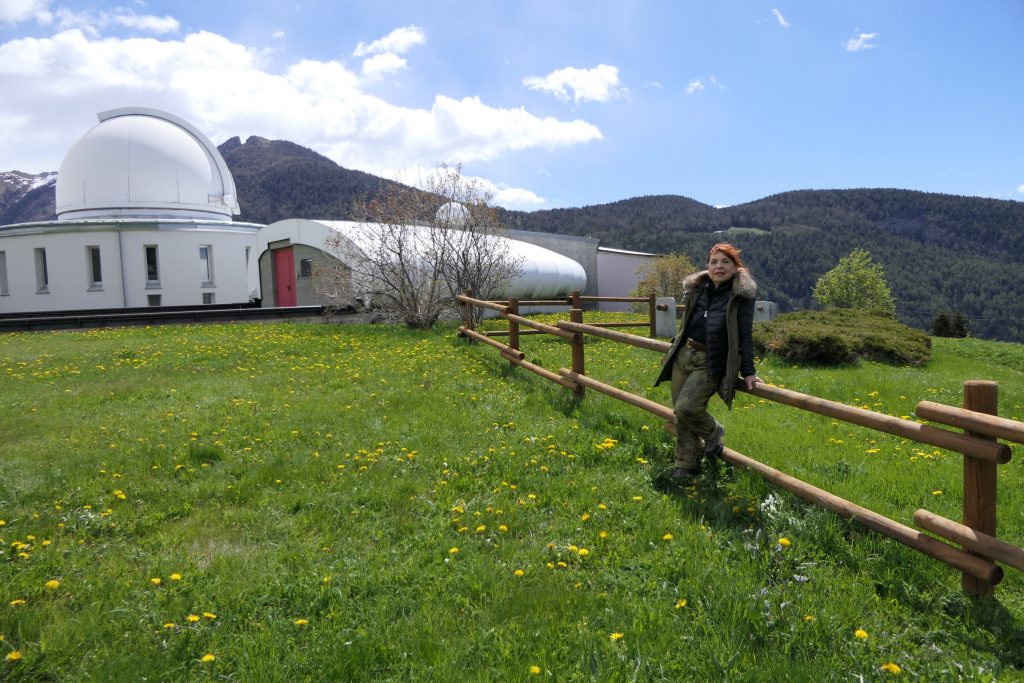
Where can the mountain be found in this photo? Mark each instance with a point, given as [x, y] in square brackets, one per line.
[24, 196]
[276, 179]
[940, 252]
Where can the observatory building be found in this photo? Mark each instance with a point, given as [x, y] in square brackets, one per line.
[144, 204]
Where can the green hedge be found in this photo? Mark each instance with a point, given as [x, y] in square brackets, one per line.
[841, 337]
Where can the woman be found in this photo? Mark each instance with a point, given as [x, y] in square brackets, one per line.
[714, 346]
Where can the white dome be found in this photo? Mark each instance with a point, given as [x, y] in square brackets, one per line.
[148, 163]
[452, 215]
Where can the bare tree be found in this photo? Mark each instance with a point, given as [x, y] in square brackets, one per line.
[413, 250]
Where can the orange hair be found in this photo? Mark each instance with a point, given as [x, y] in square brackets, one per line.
[732, 252]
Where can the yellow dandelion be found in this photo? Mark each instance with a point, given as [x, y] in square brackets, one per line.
[784, 542]
[861, 633]
[603, 534]
[453, 550]
[616, 636]
[534, 670]
[681, 603]
[638, 498]
[891, 667]
[13, 656]
[207, 658]
[519, 572]
[667, 537]
[585, 516]
[503, 529]
[156, 581]
[482, 528]
[809, 618]
[209, 615]
[15, 603]
[175, 576]
[170, 625]
[583, 552]
[301, 622]
[53, 584]
[192, 618]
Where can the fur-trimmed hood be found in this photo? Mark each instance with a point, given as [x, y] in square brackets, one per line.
[742, 283]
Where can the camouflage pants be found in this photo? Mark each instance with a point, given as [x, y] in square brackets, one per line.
[692, 388]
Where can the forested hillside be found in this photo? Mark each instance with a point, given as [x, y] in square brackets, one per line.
[940, 252]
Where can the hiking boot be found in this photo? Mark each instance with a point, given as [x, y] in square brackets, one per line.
[684, 475]
[713, 445]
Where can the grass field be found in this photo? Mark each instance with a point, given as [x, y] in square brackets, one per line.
[331, 502]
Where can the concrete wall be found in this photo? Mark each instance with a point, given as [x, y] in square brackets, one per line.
[617, 276]
[304, 285]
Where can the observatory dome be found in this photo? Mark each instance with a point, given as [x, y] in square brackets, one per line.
[144, 163]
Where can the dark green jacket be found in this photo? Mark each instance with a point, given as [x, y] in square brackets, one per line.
[739, 321]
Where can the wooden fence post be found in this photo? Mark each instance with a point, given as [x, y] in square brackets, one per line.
[576, 316]
[652, 311]
[513, 326]
[574, 302]
[467, 312]
[980, 479]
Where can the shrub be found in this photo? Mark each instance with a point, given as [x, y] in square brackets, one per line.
[841, 337]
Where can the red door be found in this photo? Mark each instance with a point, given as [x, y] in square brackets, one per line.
[284, 277]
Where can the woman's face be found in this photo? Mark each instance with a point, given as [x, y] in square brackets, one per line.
[720, 268]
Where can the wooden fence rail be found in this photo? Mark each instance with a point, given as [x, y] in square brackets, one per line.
[982, 453]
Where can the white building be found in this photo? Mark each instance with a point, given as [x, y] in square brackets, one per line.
[290, 250]
[144, 207]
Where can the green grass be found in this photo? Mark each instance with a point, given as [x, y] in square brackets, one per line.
[355, 502]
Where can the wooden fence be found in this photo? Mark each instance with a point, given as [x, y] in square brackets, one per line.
[980, 549]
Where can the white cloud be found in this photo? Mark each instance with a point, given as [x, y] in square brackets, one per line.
[399, 41]
[17, 11]
[600, 84]
[653, 84]
[93, 22]
[782, 19]
[378, 66]
[53, 87]
[695, 86]
[278, 34]
[518, 198]
[860, 42]
[1021, 189]
[382, 55]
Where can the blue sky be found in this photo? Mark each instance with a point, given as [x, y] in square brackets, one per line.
[551, 103]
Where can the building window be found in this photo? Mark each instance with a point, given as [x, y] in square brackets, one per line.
[42, 275]
[306, 267]
[152, 268]
[206, 264]
[153, 299]
[3, 274]
[208, 298]
[95, 268]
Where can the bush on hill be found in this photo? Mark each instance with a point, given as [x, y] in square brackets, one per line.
[841, 337]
